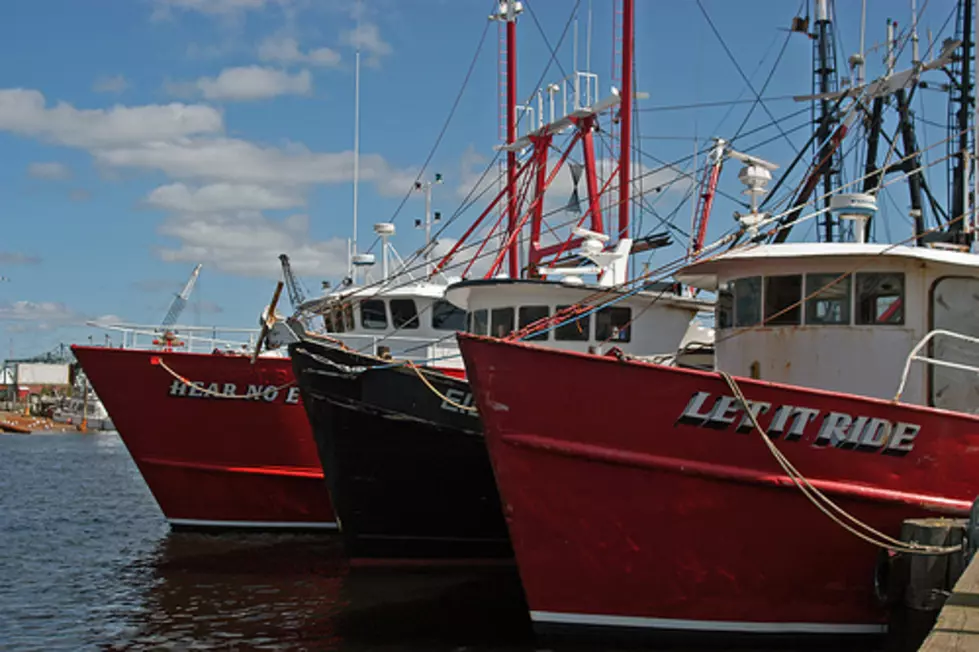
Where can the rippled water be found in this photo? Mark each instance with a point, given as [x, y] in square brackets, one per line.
[87, 562]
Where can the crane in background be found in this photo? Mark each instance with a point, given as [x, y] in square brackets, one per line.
[297, 296]
[168, 339]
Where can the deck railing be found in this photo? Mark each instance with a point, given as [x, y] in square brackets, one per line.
[915, 357]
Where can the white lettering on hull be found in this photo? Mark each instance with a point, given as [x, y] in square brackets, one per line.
[834, 430]
[215, 390]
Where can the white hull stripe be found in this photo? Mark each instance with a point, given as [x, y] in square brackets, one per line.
[552, 617]
[309, 525]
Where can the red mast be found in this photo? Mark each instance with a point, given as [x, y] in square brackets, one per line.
[512, 7]
[625, 116]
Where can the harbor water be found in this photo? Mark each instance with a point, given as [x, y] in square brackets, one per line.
[88, 562]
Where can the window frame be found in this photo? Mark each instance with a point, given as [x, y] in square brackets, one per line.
[812, 300]
[573, 323]
[509, 315]
[474, 316]
[626, 326]
[759, 301]
[363, 322]
[902, 297]
[524, 323]
[412, 323]
[455, 310]
[784, 314]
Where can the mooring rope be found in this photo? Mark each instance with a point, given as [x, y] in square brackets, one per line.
[208, 392]
[872, 536]
[435, 390]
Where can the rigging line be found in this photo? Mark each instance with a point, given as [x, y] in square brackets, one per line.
[730, 110]
[738, 67]
[707, 105]
[771, 73]
[769, 125]
[445, 127]
[777, 227]
[554, 57]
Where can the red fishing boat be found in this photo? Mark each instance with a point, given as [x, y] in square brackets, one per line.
[221, 442]
[642, 497]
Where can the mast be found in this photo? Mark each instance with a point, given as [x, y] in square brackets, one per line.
[961, 108]
[512, 8]
[825, 81]
[625, 113]
[353, 241]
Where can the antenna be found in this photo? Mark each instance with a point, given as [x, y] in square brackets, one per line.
[426, 187]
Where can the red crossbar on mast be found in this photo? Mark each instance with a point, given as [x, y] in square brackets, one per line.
[486, 211]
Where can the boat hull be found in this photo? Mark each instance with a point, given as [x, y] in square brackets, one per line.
[640, 501]
[214, 462]
[408, 474]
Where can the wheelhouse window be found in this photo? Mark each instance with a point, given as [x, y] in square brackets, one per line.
[479, 322]
[403, 313]
[829, 299]
[501, 322]
[783, 296]
[724, 308]
[447, 316]
[747, 301]
[373, 315]
[612, 324]
[333, 318]
[348, 317]
[880, 298]
[573, 331]
[528, 315]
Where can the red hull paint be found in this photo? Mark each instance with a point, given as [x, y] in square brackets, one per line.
[622, 516]
[214, 461]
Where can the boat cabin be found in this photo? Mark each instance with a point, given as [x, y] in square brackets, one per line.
[846, 317]
[411, 321]
[655, 321]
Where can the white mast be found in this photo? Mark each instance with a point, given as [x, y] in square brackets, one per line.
[353, 245]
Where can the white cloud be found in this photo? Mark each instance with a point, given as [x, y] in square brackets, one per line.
[17, 258]
[51, 170]
[113, 84]
[221, 197]
[108, 319]
[285, 49]
[244, 84]
[25, 112]
[237, 161]
[368, 38]
[249, 243]
[40, 316]
[164, 8]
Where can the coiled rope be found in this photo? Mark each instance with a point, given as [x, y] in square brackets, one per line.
[826, 505]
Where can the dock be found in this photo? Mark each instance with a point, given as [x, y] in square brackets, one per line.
[957, 627]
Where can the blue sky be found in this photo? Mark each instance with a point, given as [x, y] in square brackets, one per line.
[143, 136]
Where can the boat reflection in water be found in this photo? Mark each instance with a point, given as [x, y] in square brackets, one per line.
[275, 591]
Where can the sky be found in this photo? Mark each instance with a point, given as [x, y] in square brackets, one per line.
[142, 137]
